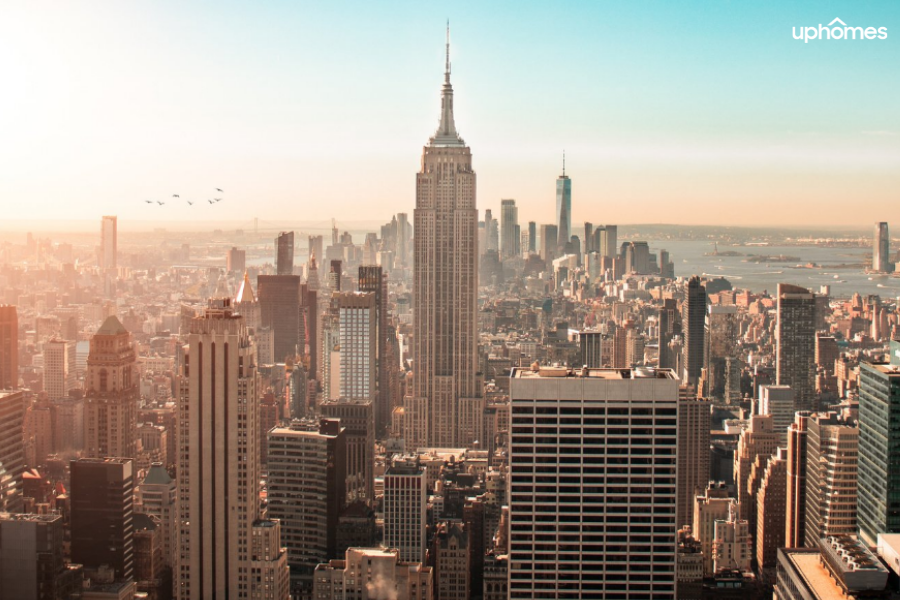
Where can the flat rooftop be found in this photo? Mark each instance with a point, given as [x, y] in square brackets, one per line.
[815, 575]
[614, 374]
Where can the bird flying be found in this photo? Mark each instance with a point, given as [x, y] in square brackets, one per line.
[149, 201]
[190, 203]
[211, 201]
[160, 202]
[217, 199]
[219, 190]
[176, 196]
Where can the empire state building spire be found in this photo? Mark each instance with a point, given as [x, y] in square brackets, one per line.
[446, 134]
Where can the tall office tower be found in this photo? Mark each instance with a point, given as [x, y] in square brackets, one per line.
[358, 323]
[881, 249]
[611, 233]
[108, 242]
[372, 280]
[279, 310]
[831, 477]
[309, 324]
[588, 238]
[450, 555]
[693, 323]
[569, 524]
[9, 347]
[758, 440]
[358, 421]
[532, 247]
[722, 335]
[405, 498]
[12, 450]
[373, 573]
[591, 343]
[712, 506]
[102, 493]
[307, 491]
[112, 392]
[548, 247]
[669, 325]
[770, 520]
[218, 469]
[404, 236]
[795, 339]
[445, 289]
[155, 496]
[795, 516]
[335, 270]
[878, 510]
[778, 401]
[32, 561]
[693, 455]
[235, 260]
[284, 253]
[563, 209]
[491, 233]
[509, 229]
[59, 368]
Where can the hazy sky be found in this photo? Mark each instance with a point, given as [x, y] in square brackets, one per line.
[669, 112]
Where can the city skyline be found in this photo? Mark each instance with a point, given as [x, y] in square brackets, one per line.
[703, 109]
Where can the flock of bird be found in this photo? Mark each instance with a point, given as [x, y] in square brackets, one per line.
[190, 202]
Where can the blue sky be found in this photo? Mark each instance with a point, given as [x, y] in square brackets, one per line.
[677, 112]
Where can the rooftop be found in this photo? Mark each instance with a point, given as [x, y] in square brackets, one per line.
[616, 374]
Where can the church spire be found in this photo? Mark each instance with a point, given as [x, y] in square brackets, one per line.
[446, 134]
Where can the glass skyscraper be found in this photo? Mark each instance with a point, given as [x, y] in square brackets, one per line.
[878, 510]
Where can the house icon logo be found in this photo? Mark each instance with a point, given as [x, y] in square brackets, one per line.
[838, 30]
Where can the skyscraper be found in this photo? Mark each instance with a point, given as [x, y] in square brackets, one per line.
[112, 391]
[9, 347]
[795, 339]
[563, 209]
[509, 229]
[445, 289]
[878, 510]
[59, 368]
[583, 444]
[549, 239]
[795, 495]
[669, 325]
[358, 322]
[102, 510]
[532, 238]
[109, 239]
[832, 446]
[373, 281]
[881, 249]
[32, 561]
[778, 401]
[284, 253]
[307, 492]
[693, 454]
[235, 260]
[12, 450]
[218, 469]
[770, 520]
[279, 308]
[405, 499]
[722, 334]
[693, 322]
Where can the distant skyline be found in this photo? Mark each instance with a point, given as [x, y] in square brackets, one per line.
[693, 113]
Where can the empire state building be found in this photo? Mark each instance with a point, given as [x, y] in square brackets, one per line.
[445, 409]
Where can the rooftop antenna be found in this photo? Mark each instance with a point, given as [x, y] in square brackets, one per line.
[564, 163]
[447, 65]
